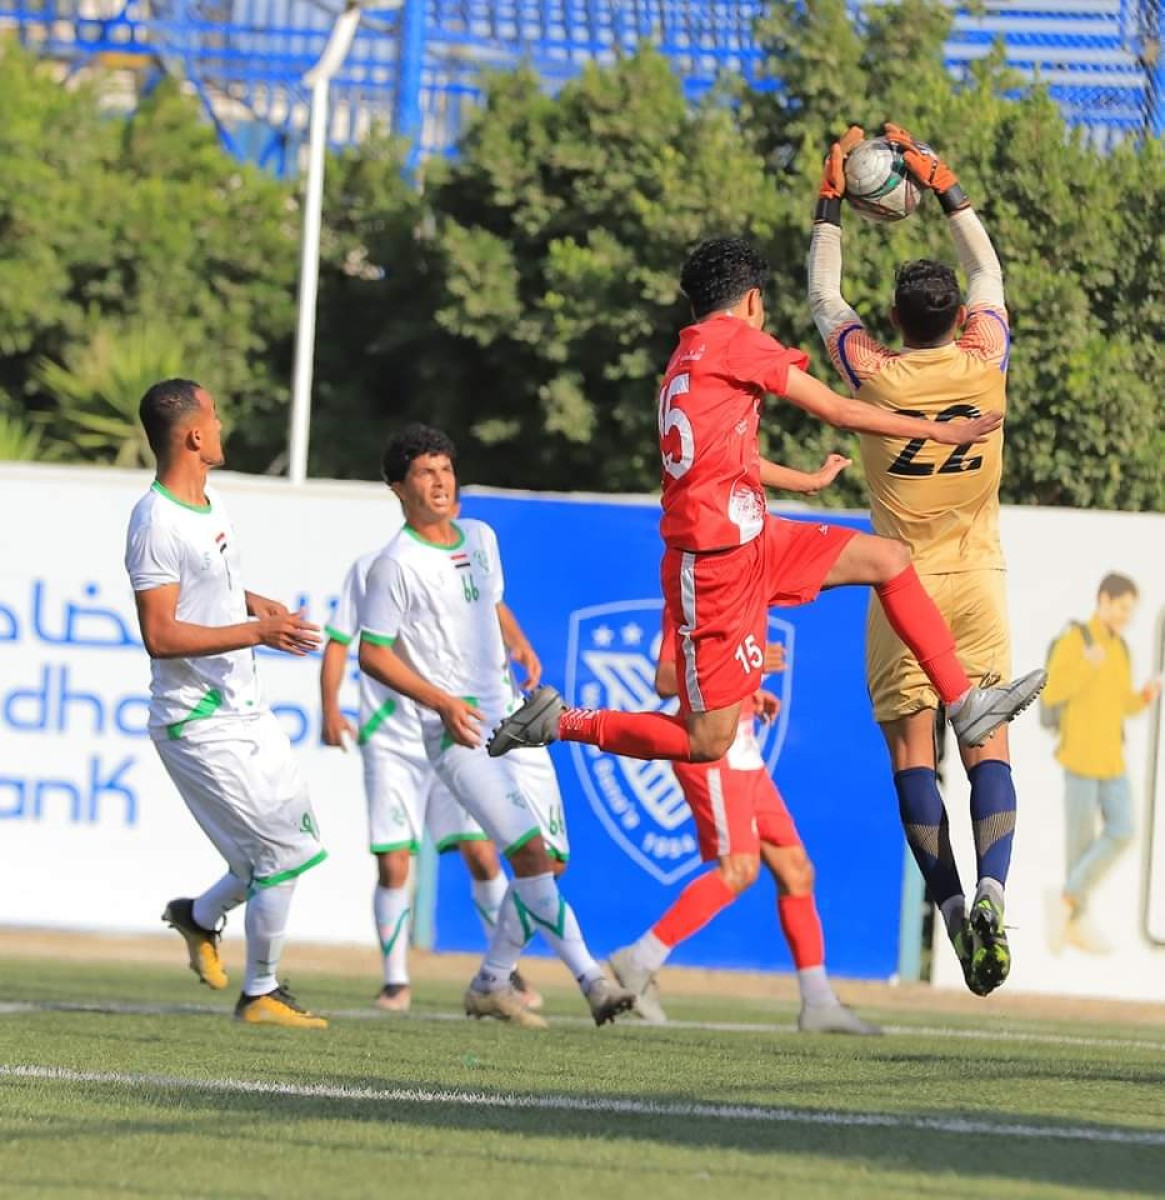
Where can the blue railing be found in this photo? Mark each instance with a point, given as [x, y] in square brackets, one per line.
[417, 67]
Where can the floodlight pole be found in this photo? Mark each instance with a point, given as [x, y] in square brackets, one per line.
[319, 79]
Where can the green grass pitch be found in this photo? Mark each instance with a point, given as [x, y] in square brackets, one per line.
[132, 1081]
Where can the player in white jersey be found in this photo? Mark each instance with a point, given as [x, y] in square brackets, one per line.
[430, 630]
[404, 796]
[223, 748]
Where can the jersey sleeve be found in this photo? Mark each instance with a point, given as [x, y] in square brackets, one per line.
[857, 354]
[385, 604]
[345, 622]
[755, 358]
[153, 557]
[987, 335]
[497, 578]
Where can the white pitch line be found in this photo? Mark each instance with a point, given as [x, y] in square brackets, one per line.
[611, 1106]
[1017, 1036]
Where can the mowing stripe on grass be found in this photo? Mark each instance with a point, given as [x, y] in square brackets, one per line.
[611, 1106]
[1019, 1036]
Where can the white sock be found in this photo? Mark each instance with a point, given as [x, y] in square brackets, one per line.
[218, 900]
[955, 705]
[542, 909]
[266, 921]
[393, 909]
[488, 895]
[507, 941]
[815, 987]
[649, 952]
[954, 913]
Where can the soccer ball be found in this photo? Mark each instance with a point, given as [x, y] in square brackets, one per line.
[877, 183]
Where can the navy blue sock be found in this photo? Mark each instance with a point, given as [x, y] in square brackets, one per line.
[928, 834]
[992, 817]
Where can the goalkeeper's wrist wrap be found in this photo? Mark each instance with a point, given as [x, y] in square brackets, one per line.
[828, 209]
[953, 199]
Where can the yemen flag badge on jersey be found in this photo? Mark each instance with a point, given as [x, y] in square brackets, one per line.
[460, 561]
[220, 541]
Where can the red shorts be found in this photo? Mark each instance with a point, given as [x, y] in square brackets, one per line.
[719, 602]
[735, 810]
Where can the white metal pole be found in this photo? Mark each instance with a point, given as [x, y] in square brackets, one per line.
[320, 78]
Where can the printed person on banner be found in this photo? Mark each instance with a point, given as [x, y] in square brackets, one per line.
[1090, 695]
[223, 748]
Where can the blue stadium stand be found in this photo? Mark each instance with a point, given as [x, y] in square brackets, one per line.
[417, 67]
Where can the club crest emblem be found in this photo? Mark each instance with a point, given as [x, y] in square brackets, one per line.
[611, 656]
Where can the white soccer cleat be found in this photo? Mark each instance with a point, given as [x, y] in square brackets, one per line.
[985, 709]
[636, 978]
[535, 723]
[834, 1018]
[504, 1004]
[607, 1000]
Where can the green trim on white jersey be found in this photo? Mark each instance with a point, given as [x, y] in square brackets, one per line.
[162, 490]
[438, 545]
[210, 703]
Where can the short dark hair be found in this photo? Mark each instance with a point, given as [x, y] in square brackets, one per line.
[412, 442]
[164, 406]
[721, 271]
[927, 297]
[1115, 586]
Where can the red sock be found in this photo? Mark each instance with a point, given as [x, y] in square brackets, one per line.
[915, 618]
[697, 904]
[802, 929]
[634, 735]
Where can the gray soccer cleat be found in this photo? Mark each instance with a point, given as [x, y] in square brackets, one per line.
[834, 1018]
[987, 708]
[535, 723]
[638, 979]
[503, 1003]
[607, 1000]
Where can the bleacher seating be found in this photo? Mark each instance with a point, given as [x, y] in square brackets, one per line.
[416, 67]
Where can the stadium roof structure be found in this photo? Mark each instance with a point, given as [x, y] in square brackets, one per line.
[416, 66]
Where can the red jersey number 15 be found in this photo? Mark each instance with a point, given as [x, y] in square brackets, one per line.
[675, 420]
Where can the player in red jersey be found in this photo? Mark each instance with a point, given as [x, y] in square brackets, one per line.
[727, 560]
[741, 821]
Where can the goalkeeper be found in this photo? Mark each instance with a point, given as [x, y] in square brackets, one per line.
[944, 504]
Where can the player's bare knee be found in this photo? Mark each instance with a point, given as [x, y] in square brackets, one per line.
[481, 860]
[557, 866]
[392, 868]
[800, 875]
[709, 745]
[739, 871]
[894, 557]
[531, 859]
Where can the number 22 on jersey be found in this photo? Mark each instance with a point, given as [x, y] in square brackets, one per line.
[673, 419]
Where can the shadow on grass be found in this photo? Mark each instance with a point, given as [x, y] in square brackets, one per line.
[907, 1147]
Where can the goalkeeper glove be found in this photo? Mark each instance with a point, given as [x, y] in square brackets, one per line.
[928, 169]
[832, 187]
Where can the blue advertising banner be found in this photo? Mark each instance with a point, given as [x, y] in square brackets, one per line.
[583, 578]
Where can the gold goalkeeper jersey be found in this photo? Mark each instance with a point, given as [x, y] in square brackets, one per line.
[943, 501]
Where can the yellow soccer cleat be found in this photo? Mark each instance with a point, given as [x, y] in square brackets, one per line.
[201, 944]
[276, 1008]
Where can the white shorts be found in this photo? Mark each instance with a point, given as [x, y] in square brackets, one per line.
[448, 822]
[540, 787]
[514, 798]
[243, 786]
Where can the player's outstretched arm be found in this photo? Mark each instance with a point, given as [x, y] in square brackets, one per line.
[167, 637]
[461, 718]
[787, 479]
[843, 413]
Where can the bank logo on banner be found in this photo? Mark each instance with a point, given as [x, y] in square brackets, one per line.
[611, 656]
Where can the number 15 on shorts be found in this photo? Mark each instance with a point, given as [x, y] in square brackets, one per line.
[750, 656]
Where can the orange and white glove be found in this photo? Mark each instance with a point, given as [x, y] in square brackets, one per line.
[929, 171]
[832, 187]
